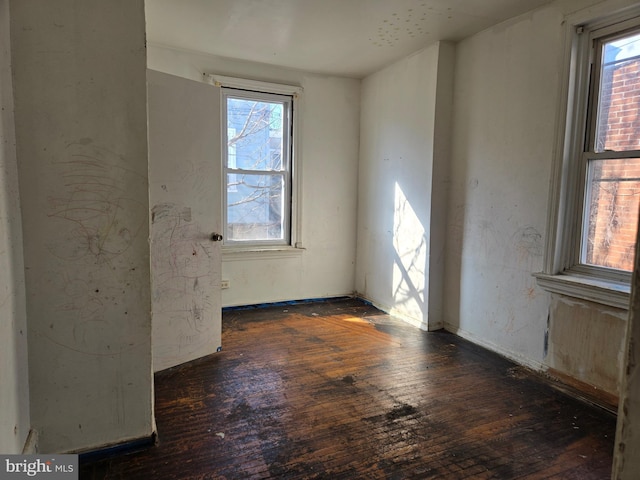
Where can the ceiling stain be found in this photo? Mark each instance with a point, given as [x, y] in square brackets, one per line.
[403, 25]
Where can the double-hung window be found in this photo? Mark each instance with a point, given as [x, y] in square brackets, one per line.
[257, 161]
[611, 156]
[597, 185]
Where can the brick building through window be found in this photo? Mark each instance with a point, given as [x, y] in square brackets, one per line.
[613, 184]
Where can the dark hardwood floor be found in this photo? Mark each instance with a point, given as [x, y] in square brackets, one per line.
[338, 390]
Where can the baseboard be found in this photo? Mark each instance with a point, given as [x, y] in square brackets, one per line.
[31, 443]
[558, 380]
[121, 448]
[585, 391]
[415, 322]
[284, 303]
[514, 357]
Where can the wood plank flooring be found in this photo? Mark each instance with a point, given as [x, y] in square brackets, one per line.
[338, 390]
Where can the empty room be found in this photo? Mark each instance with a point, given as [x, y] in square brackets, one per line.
[321, 238]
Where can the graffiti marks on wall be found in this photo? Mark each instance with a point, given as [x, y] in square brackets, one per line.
[95, 213]
[181, 277]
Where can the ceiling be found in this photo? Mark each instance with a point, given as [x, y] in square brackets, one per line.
[340, 37]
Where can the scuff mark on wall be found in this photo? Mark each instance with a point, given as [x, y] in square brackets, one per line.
[162, 210]
[488, 237]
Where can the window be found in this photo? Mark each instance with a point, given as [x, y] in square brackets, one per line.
[598, 182]
[257, 160]
[612, 147]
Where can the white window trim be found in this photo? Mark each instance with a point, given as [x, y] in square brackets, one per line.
[246, 252]
[559, 275]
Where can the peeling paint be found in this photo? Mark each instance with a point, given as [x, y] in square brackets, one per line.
[585, 341]
[546, 336]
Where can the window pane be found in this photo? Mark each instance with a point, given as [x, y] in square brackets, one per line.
[231, 159]
[618, 125]
[611, 216]
[254, 207]
[256, 140]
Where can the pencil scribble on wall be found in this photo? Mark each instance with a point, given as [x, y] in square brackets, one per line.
[182, 277]
[97, 213]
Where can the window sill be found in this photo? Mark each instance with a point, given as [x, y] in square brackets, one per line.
[605, 292]
[232, 253]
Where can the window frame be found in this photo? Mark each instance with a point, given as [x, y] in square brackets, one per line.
[563, 271]
[292, 189]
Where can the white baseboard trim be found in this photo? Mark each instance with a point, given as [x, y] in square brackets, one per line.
[513, 356]
[415, 322]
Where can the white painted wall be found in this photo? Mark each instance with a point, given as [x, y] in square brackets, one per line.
[404, 143]
[507, 96]
[80, 114]
[328, 162]
[14, 375]
[506, 93]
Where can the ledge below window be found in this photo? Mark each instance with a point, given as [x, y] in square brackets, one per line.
[232, 254]
[599, 291]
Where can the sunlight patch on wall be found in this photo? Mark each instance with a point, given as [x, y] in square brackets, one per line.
[410, 244]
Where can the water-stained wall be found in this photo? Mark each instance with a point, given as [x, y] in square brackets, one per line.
[80, 114]
[586, 342]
